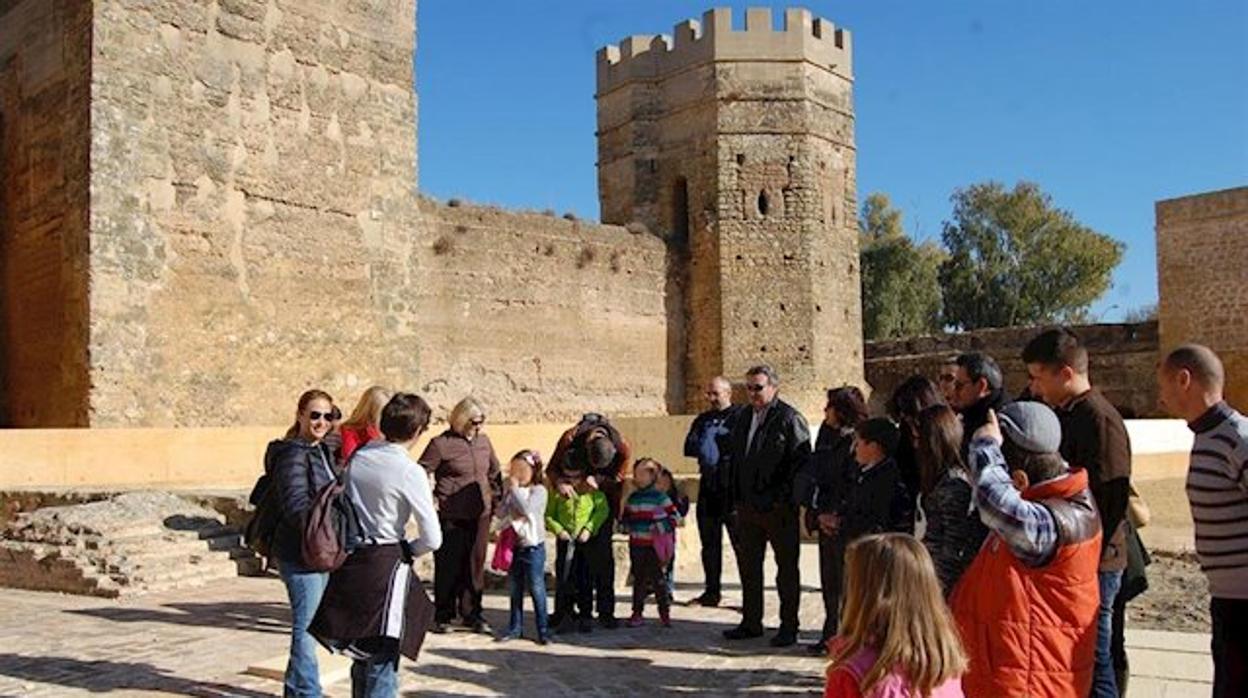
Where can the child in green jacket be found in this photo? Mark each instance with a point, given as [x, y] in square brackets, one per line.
[574, 520]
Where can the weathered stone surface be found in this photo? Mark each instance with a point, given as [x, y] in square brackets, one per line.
[1122, 361]
[133, 542]
[1202, 255]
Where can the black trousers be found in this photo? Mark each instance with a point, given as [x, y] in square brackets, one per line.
[459, 569]
[573, 594]
[600, 567]
[648, 576]
[712, 515]
[1230, 647]
[755, 530]
[832, 581]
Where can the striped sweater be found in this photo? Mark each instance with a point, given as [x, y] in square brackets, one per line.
[1217, 489]
[648, 514]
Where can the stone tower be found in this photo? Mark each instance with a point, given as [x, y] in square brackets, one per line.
[737, 146]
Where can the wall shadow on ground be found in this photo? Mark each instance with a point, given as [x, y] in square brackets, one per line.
[106, 677]
[260, 617]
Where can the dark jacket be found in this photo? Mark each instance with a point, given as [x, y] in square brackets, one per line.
[762, 471]
[976, 416]
[707, 441]
[298, 470]
[954, 531]
[1095, 438]
[822, 484]
[875, 502]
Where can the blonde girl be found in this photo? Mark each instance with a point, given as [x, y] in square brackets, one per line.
[897, 638]
[363, 425]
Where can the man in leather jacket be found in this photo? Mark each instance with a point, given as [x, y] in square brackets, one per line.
[769, 442]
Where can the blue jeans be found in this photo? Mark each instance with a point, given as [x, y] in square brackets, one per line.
[1104, 683]
[304, 589]
[378, 676]
[528, 569]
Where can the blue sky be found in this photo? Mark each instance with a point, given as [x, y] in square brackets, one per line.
[1109, 106]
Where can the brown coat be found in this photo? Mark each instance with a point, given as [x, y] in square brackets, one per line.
[1095, 439]
[468, 479]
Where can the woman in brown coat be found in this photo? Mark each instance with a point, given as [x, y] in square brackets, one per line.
[468, 485]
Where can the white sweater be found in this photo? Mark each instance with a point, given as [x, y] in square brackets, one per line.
[388, 488]
[530, 504]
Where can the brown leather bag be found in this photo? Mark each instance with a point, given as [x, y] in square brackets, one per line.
[331, 529]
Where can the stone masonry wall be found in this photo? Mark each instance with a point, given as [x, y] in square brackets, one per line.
[45, 51]
[253, 219]
[1122, 358]
[541, 318]
[1202, 268]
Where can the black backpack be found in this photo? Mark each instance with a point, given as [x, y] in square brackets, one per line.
[262, 526]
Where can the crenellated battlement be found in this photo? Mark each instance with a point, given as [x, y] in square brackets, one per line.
[803, 37]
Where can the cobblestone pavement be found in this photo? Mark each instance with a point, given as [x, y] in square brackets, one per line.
[197, 642]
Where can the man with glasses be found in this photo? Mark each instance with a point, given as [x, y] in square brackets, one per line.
[769, 444]
[977, 388]
[948, 378]
[707, 441]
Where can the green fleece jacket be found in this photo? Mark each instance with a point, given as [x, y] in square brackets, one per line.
[575, 514]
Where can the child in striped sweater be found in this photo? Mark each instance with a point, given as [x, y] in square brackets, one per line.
[650, 518]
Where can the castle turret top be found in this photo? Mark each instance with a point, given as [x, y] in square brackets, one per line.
[803, 38]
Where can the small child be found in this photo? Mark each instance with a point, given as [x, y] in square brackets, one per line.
[898, 637]
[648, 517]
[574, 520]
[667, 484]
[874, 500]
[524, 510]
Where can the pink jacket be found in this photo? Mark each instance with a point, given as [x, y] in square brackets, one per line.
[845, 681]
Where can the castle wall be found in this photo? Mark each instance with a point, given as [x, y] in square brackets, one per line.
[540, 317]
[252, 213]
[1122, 361]
[45, 50]
[1202, 269]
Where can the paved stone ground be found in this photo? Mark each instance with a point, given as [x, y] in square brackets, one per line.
[198, 642]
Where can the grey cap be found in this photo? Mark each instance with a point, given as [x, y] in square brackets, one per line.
[1031, 426]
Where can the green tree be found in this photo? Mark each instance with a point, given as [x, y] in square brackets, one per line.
[900, 280]
[1016, 259]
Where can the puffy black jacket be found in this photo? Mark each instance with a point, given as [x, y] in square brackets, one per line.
[762, 474]
[298, 470]
[954, 532]
[820, 486]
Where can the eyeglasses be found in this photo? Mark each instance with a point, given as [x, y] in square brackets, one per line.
[478, 422]
[948, 378]
[313, 416]
[755, 387]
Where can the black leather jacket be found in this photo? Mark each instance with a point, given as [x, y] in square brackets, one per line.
[954, 531]
[762, 475]
[298, 470]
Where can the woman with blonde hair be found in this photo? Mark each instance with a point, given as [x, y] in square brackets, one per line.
[364, 423]
[897, 638]
[468, 485]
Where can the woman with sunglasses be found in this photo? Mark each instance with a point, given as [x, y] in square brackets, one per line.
[300, 465]
[468, 485]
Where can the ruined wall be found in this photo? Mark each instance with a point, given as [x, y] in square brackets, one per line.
[45, 48]
[737, 147]
[1202, 268]
[540, 317]
[252, 230]
[1122, 360]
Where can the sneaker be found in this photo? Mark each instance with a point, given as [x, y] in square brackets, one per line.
[507, 637]
[608, 622]
[585, 625]
[707, 599]
[545, 640]
[818, 649]
[438, 628]
[742, 633]
[480, 627]
[665, 619]
[636, 621]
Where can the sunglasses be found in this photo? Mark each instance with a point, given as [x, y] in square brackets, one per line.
[478, 422]
[327, 416]
[755, 387]
[948, 378]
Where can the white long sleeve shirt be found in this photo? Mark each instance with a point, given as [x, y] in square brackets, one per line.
[524, 509]
[388, 489]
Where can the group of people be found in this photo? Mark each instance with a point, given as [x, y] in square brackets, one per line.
[968, 544]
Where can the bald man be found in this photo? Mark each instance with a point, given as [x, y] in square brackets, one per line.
[1191, 379]
[706, 442]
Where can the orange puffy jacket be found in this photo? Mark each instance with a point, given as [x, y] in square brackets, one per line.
[1031, 631]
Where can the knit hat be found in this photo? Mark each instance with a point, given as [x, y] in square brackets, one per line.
[1031, 426]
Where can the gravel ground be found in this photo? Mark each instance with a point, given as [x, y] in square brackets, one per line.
[1177, 598]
